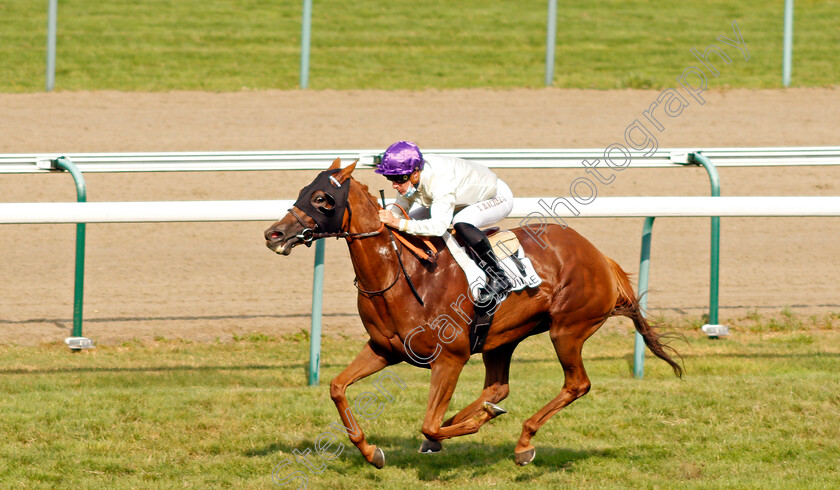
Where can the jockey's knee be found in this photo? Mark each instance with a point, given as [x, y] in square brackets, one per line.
[461, 227]
[468, 232]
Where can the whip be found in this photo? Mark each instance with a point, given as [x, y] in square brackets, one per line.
[394, 245]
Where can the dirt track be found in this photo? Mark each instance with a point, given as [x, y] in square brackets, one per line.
[214, 280]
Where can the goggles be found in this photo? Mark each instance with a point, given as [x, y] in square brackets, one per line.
[399, 179]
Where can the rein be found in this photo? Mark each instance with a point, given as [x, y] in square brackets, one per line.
[430, 254]
[399, 257]
[396, 276]
[308, 235]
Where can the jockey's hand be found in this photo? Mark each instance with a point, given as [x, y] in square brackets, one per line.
[389, 219]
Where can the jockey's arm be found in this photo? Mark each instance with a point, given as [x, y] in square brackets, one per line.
[441, 212]
[403, 202]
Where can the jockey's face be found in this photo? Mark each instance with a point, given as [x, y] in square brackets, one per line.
[403, 188]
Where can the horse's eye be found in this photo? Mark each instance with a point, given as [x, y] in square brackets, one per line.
[319, 199]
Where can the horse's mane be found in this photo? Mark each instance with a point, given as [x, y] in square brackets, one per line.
[365, 189]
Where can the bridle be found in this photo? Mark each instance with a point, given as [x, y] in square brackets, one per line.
[308, 235]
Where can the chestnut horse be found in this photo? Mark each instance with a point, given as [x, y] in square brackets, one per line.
[581, 288]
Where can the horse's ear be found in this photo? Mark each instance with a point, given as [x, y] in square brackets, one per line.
[335, 164]
[344, 173]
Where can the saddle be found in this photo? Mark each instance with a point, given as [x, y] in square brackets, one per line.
[504, 244]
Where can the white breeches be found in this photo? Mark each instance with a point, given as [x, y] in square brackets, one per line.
[481, 214]
[485, 213]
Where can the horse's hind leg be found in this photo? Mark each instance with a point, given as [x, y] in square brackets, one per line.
[483, 409]
[567, 343]
[445, 372]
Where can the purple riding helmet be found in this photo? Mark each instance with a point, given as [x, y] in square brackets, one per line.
[401, 158]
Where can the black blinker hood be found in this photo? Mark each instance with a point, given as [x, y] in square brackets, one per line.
[328, 220]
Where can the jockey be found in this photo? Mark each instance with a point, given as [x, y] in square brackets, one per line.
[450, 191]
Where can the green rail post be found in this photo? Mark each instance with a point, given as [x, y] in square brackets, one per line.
[64, 163]
[697, 158]
[306, 28]
[644, 270]
[317, 301]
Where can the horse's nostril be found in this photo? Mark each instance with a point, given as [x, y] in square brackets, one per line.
[273, 235]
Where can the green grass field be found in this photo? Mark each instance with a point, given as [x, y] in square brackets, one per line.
[227, 45]
[756, 410]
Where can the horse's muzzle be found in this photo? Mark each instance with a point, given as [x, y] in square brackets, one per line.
[282, 247]
[278, 242]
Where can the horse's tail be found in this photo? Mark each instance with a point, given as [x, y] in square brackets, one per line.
[628, 305]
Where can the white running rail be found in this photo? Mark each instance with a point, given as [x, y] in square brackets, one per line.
[318, 160]
[545, 208]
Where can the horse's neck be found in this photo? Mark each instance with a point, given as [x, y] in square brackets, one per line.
[373, 257]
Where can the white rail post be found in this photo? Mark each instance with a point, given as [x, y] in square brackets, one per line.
[52, 13]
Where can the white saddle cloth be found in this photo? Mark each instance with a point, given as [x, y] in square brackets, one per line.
[477, 278]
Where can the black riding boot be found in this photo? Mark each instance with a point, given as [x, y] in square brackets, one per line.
[497, 281]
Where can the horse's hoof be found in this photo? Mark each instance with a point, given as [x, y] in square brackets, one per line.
[430, 447]
[378, 459]
[493, 409]
[525, 457]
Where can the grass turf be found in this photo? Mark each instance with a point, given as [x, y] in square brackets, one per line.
[758, 410]
[227, 45]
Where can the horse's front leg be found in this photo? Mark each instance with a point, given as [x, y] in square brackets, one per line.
[367, 362]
